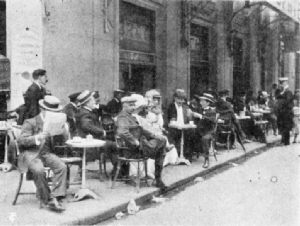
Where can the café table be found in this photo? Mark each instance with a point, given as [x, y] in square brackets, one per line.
[85, 144]
[181, 159]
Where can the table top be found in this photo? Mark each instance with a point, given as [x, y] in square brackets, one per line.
[182, 127]
[86, 143]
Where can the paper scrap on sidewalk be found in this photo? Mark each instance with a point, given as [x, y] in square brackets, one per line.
[234, 164]
[119, 215]
[199, 179]
[158, 199]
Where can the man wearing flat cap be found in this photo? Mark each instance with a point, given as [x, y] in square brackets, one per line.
[285, 110]
[114, 106]
[37, 152]
[70, 110]
[138, 138]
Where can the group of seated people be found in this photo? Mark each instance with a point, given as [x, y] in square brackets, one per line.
[137, 120]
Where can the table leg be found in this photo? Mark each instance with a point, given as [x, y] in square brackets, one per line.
[83, 191]
[83, 168]
[6, 166]
[181, 159]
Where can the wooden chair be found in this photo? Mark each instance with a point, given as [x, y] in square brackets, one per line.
[121, 146]
[225, 128]
[67, 160]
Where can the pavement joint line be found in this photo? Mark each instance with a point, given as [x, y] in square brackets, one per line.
[106, 215]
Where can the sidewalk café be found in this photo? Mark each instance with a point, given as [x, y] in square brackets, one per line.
[125, 142]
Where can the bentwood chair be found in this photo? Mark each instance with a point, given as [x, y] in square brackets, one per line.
[121, 159]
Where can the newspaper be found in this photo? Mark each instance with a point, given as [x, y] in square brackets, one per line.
[55, 123]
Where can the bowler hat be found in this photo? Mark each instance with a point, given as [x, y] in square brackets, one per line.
[50, 103]
[224, 92]
[74, 96]
[84, 97]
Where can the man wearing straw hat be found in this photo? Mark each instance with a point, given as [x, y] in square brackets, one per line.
[37, 145]
[205, 126]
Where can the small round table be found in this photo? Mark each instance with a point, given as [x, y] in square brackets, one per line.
[182, 159]
[84, 144]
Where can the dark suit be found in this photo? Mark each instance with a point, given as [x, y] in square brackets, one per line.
[175, 134]
[70, 110]
[87, 122]
[205, 129]
[285, 114]
[32, 96]
[114, 107]
[152, 146]
[33, 161]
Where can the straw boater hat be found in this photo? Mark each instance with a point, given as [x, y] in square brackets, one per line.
[208, 97]
[283, 79]
[84, 97]
[50, 103]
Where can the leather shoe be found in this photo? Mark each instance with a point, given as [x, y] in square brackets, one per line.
[54, 205]
[206, 164]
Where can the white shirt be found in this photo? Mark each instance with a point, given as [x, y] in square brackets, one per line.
[179, 110]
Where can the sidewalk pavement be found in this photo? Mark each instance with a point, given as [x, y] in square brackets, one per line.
[91, 211]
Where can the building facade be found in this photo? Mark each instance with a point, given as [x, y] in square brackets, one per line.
[142, 44]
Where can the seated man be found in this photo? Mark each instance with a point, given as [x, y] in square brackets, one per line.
[205, 126]
[87, 122]
[37, 146]
[179, 112]
[70, 110]
[138, 138]
[225, 109]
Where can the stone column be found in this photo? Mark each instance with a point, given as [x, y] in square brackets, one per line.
[255, 67]
[224, 62]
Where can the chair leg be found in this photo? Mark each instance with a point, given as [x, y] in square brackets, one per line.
[117, 174]
[146, 172]
[214, 149]
[138, 177]
[100, 167]
[68, 176]
[18, 189]
[228, 141]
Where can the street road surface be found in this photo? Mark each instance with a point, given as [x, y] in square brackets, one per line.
[265, 190]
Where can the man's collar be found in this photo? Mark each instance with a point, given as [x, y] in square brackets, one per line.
[177, 106]
[38, 84]
[117, 99]
[206, 108]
